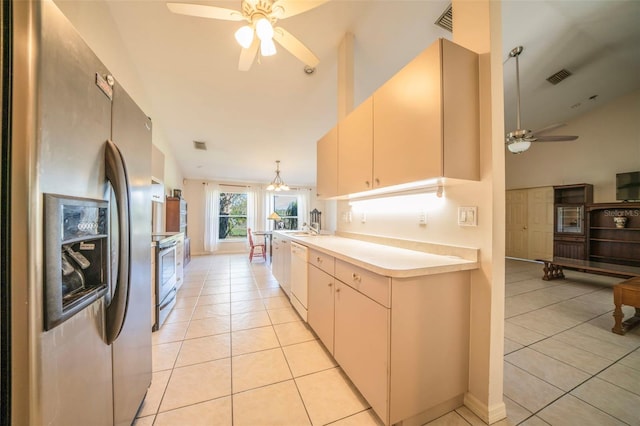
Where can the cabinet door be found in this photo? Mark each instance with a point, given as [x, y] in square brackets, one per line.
[320, 314]
[355, 150]
[327, 165]
[172, 218]
[407, 128]
[361, 345]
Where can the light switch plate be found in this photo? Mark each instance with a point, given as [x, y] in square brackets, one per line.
[468, 216]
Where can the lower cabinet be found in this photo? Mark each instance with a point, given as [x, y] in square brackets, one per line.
[320, 315]
[403, 342]
[361, 345]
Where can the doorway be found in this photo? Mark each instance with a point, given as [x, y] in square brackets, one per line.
[529, 223]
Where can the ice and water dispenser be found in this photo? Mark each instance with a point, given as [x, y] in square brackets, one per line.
[76, 255]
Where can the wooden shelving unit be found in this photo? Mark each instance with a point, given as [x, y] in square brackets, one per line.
[569, 224]
[176, 221]
[608, 243]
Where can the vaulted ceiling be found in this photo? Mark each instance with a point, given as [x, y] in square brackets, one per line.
[275, 111]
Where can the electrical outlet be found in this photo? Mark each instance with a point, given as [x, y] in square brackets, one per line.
[422, 218]
[468, 216]
[346, 217]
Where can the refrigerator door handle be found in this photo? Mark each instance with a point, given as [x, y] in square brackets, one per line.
[116, 173]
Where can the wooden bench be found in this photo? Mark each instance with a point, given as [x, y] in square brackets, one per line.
[626, 293]
[553, 269]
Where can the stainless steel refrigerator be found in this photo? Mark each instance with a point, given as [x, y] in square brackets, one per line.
[72, 137]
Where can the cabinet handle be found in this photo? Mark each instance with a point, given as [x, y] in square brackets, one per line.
[356, 277]
[366, 182]
[337, 289]
[319, 259]
[377, 181]
[330, 284]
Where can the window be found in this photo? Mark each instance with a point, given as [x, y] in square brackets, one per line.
[287, 208]
[233, 216]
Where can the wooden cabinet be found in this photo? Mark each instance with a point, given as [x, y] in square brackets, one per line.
[176, 221]
[570, 227]
[610, 242]
[320, 314]
[355, 150]
[426, 118]
[176, 217]
[327, 165]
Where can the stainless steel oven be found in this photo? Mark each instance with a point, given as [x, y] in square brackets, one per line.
[166, 273]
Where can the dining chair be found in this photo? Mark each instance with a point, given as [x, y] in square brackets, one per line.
[261, 248]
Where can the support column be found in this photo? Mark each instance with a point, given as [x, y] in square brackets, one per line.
[477, 26]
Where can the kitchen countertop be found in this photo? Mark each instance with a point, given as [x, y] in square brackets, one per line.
[384, 259]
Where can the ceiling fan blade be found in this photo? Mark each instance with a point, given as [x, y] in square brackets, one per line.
[202, 11]
[248, 55]
[295, 46]
[287, 8]
[554, 138]
[548, 128]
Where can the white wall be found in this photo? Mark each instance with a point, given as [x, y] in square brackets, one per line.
[93, 21]
[608, 143]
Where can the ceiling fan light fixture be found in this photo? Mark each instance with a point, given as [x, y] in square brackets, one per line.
[264, 29]
[267, 47]
[277, 183]
[518, 146]
[244, 36]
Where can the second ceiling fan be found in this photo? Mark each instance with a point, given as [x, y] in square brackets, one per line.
[520, 140]
[260, 32]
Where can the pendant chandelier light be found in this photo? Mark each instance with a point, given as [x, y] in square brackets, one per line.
[277, 184]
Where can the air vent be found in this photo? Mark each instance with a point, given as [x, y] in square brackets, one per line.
[446, 19]
[200, 145]
[559, 76]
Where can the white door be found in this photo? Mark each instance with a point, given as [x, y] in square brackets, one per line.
[529, 223]
[516, 238]
[540, 223]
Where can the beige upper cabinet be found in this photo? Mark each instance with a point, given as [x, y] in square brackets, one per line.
[355, 150]
[426, 121]
[327, 165]
[421, 124]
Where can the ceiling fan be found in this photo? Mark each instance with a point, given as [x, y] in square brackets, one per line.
[260, 32]
[520, 139]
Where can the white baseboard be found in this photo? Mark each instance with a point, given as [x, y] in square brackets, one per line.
[488, 414]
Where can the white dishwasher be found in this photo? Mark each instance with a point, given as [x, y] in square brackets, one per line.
[298, 279]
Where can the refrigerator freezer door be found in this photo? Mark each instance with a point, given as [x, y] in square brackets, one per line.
[131, 131]
[72, 372]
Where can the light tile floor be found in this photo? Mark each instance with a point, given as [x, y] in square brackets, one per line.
[234, 352]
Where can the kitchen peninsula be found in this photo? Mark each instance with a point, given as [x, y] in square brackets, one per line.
[396, 320]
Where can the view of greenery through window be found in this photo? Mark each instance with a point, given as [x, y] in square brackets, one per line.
[287, 208]
[233, 216]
